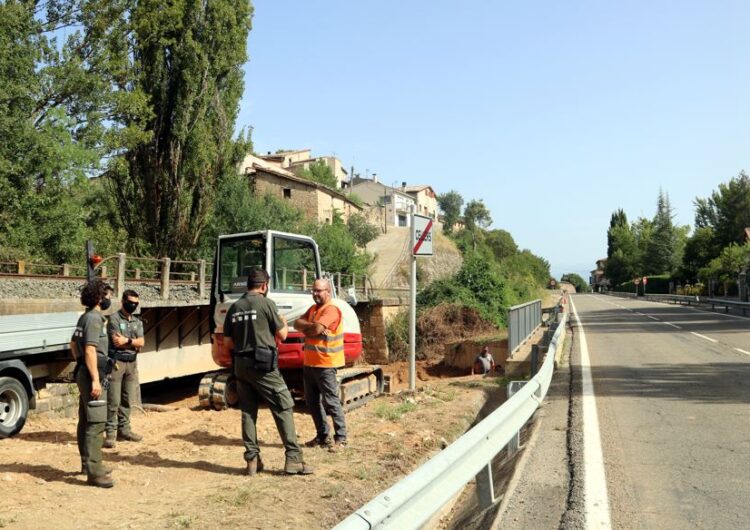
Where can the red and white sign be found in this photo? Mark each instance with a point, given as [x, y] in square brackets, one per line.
[645, 280]
[422, 244]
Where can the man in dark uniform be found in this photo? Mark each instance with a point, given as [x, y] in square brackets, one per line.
[89, 346]
[250, 325]
[125, 332]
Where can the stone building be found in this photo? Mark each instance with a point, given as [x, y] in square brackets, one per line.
[392, 204]
[317, 201]
[426, 199]
[302, 159]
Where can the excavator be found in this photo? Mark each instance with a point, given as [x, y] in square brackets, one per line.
[293, 263]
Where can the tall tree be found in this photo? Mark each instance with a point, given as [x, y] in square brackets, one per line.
[623, 264]
[476, 217]
[661, 250]
[450, 203]
[187, 58]
[618, 219]
[727, 211]
[501, 243]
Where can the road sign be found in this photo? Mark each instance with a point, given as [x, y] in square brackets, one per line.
[645, 280]
[422, 244]
[637, 281]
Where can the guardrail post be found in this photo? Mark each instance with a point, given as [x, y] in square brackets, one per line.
[338, 282]
[515, 443]
[21, 267]
[120, 274]
[364, 282]
[137, 274]
[103, 271]
[304, 279]
[485, 488]
[202, 279]
[66, 269]
[165, 267]
[534, 358]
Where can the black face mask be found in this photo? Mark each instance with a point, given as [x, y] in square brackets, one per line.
[104, 304]
[130, 307]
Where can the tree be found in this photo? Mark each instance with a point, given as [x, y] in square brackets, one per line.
[450, 203]
[476, 217]
[501, 243]
[186, 58]
[623, 264]
[579, 283]
[319, 172]
[618, 219]
[661, 248]
[362, 231]
[726, 267]
[700, 249]
[727, 211]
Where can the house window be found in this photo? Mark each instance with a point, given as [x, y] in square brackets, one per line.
[402, 220]
[287, 193]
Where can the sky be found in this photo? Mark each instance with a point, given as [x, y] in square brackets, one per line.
[555, 114]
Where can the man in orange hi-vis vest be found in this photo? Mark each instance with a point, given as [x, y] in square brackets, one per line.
[323, 327]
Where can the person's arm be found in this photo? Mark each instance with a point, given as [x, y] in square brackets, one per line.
[282, 330]
[74, 349]
[139, 341]
[228, 343]
[91, 365]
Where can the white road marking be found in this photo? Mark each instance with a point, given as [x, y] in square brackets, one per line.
[742, 351]
[673, 325]
[652, 318]
[595, 482]
[704, 337]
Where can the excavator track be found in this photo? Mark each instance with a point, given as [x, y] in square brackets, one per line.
[358, 385]
[218, 390]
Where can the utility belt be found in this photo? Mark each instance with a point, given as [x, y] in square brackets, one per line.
[261, 358]
[103, 365]
[125, 356]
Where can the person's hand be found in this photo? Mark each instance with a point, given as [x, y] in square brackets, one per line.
[283, 319]
[96, 390]
[119, 340]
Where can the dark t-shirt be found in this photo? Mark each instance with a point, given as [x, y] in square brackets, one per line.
[130, 329]
[91, 329]
[252, 321]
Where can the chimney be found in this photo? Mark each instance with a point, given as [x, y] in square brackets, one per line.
[375, 178]
[269, 153]
[403, 185]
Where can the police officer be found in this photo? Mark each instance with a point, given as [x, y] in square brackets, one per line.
[249, 329]
[125, 332]
[89, 346]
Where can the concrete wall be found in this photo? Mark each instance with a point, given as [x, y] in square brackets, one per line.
[373, 317]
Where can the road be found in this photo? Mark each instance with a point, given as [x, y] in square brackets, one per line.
[672, 387]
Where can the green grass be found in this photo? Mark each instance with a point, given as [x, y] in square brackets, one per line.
[393, 412]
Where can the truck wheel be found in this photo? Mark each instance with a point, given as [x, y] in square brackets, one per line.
[14, 406]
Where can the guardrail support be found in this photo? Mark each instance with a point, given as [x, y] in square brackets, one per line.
[485, 487]
[66, 269]
[21, 267]
[165, 267]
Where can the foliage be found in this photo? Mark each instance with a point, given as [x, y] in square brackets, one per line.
[501, 243]
[726, 211]
[618, 221]
[476, 216]
[361, 231]
[450, 203]
[319, 172]
[732, 260]
[187, 59]
[579, 283]
[662, 246]
[338, 250]
[701, 247]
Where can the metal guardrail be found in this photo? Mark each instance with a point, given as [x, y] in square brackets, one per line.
[523, 319]
[415, 499]
[693, 300]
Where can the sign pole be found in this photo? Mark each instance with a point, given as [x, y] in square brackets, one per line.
[413, 307]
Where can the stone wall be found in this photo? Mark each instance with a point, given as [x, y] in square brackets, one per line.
[58, 400]
[373, 317]
[461, 354]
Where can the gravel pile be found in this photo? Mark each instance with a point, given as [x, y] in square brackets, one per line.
[45, 289]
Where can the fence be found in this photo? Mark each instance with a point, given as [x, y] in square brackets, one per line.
[414, 500]
[523, 320]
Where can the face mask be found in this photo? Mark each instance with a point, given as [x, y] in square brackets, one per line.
[130, 307]
[104, 304]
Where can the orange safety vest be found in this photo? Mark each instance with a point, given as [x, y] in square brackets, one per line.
[326, 350]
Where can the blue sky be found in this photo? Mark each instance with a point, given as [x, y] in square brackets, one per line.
[554, 113]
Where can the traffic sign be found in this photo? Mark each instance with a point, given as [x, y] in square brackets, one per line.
[645, 280]
[422, 244]
[637, 281]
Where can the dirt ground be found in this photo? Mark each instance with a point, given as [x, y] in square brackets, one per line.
[187, 471]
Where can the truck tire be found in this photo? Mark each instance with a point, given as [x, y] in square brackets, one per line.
[14, 406]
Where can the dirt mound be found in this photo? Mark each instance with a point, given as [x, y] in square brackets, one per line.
[446, 323]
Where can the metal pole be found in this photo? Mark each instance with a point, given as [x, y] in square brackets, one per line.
[412, 307]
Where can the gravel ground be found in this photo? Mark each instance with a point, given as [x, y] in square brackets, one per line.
[45, 289]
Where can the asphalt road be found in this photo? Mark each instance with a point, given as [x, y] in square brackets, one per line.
[672, 389]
